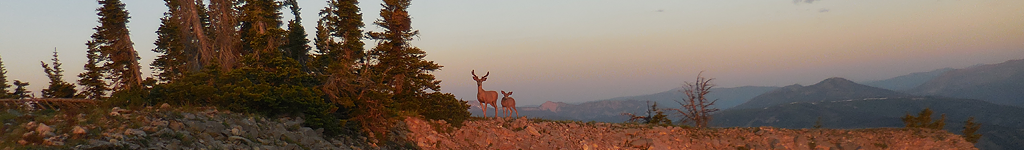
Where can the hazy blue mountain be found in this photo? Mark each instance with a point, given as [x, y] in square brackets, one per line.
[1001, 83]
[907, 82]
[831, 89]
[1001, 125]
[727, 97]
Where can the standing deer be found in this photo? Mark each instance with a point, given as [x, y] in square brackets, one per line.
[508, 103]
[485, 97]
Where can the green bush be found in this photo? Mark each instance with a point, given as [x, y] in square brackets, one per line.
[271, 87]
[444, 106]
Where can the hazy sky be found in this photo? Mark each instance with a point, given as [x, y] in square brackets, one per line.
[582, 50]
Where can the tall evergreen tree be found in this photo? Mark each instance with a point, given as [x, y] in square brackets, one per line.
[297, 46]
[21, 92]
[58, 87]
[193, 29]
[339, 45]
[94, 86]
[116, 45]
[4, 92]
[402, 66]
[261, 29]
[224, 18]
[172, 63]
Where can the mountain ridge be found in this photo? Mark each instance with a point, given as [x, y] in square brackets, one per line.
[1001, 83]
[831, 89]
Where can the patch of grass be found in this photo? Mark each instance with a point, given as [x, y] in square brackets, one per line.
[881, 145]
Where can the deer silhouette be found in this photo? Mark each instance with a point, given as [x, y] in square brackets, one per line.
[485, 97]
[509, 104]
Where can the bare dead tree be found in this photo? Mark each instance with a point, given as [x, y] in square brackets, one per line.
[695, 106]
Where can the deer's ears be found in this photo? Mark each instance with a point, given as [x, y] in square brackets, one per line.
[503, 92]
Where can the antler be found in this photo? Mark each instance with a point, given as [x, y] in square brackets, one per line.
[488, 73]
[474, 72]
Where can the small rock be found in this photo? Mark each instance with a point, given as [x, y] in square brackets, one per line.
[31, 125]
[236, 131]
[22, 142]
[149, 129]
[43, 129]
[247, 141]
[175, 125]
[532, 131]
[78, 131]
[165, 106]
[135, 132]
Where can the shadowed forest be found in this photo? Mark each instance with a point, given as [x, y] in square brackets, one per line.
[241, 56]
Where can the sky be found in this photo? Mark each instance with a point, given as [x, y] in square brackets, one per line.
[585, 50]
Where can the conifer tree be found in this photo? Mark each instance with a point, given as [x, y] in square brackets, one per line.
[58, 87]
[92, 80]
[4, 92]
[400, 64]
[339, 45]
[924, 120]
[193, 28]
[20, 92]
[172, 63]
[297, 46]
[115, 45]
[224, 18]
[971, 130]
[261, 29]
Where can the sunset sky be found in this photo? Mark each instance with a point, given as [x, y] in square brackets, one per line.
[583, 50]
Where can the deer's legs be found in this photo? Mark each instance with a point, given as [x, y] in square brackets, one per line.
[517, 111]
[484, 106]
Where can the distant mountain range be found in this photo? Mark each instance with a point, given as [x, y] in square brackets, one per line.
[727, 97]
[831, 89]
[909, 81]
[1001, 83]
[844, 104]
[993, 93]
[1001, 125]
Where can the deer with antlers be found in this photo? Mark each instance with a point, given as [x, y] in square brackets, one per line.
[508, 103]
[485, 97]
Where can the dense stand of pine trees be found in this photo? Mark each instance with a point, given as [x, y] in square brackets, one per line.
[235, 54]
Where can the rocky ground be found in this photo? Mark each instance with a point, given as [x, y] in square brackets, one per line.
[166, 127]
[522, 133]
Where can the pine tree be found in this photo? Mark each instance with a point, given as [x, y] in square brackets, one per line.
[401, 65]
[4, 92]
[339, 45]
[971, 130]
[297, 46]
[339, 33]
[924, 120]
[172, 63]
[58, 87]
[20, 92]
[261, 29]
[224, 19]
[116, 45]
[92, 80]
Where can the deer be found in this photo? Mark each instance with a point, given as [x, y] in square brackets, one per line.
[508, 103]
[485, 97]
